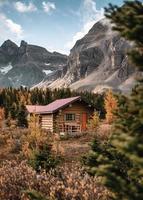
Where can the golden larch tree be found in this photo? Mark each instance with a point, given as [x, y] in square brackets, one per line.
[93, 122]
[1, 117]
[110, 103]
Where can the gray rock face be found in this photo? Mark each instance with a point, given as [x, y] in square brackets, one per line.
[8, 52]
[27, 65]
[97, 61]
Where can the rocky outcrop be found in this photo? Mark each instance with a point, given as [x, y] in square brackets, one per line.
[97, 61]
[28, 65]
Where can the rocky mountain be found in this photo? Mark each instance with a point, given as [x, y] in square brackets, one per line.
[28, 65]
[98, 61]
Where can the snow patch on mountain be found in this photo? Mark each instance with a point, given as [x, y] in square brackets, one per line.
[47, 64]
[4, 70]
[47, 71]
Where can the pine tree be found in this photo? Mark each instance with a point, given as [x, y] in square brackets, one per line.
[43, 158]
[119, 161]
[13, 110]
[22, 116]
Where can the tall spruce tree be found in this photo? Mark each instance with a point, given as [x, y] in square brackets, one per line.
[119, 161]
[22, 116]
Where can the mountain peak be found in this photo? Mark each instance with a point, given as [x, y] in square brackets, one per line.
[8, 43]
[9, 48]
[23, 43]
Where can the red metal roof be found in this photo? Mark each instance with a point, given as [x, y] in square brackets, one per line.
[52, 107]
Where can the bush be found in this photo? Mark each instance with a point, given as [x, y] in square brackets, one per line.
[93, 123]
[65, 183]
[15, 177]
[43, 159]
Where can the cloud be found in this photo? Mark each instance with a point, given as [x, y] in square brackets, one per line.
[9, 29]
[89, 15]
[2, 2]
[48, 6]
[23, 8]
[90, 12]
[87, 26]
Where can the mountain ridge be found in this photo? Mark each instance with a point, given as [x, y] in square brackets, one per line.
[97, 61]
[28, 64]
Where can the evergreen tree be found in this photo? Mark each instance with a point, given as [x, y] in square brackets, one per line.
[13, 110]
[22, 116]
[43, 159]
[119, 161]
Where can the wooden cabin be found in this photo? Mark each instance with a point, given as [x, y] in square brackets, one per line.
[68, 115]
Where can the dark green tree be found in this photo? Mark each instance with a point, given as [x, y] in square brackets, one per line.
[34, 195]
[119, 161]
[13, 110]
[43, 159]
[22, 116]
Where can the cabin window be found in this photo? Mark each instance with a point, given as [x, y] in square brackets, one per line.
[70, 117]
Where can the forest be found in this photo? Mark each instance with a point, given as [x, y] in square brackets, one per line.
[13, 101]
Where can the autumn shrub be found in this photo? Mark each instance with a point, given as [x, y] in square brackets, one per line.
[14, 140]
[103, 132]
[15, 177]
[36, 136]
[71, 182]
[14, 145]
[2, 139]
[31, 145]
[93, 122]
[64, 183]
[1, 117]
[37, 148]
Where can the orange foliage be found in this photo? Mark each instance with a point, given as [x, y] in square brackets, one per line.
[1, 116]
[110, 106]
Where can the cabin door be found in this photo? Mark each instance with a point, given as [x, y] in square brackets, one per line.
[84, 121]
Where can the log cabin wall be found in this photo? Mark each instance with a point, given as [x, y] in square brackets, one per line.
[47, 122]
[80, 109]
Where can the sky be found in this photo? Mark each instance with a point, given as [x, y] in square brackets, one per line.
[53, 24]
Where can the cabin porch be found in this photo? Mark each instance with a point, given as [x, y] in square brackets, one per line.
[69, 128]
[71, 123]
